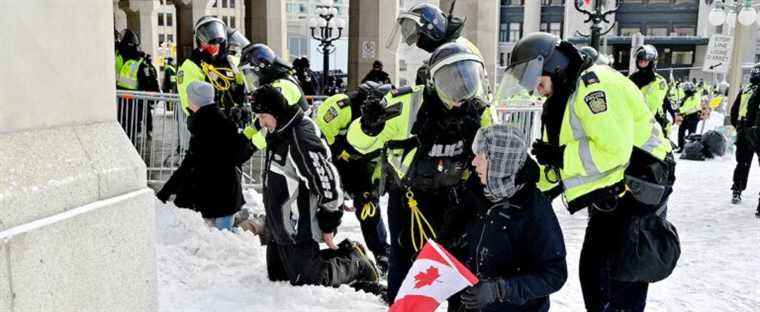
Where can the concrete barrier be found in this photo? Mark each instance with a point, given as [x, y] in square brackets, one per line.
[77, 224]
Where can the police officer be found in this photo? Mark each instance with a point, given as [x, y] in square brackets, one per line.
[357, 171]
[260, 66]
[688, 113]
[424, 132]
[744, 117]
[307, 79]
[595, 123]
[210, 62]
[170, 76]
[136, 72]
[652, 85]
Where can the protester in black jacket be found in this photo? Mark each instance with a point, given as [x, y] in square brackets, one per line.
[208, 180]
[303, 200]
[515, 244]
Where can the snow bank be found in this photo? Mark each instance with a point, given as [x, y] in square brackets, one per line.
[202, 269]
[719, 270]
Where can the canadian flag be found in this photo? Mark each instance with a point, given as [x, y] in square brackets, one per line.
[434, 277]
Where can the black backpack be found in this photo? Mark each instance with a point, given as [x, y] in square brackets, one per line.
[650, 252]
[694, 149]
[714, 144]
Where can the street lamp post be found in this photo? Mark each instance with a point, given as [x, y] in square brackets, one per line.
[726, 12]
[596, 17]
[327, 24]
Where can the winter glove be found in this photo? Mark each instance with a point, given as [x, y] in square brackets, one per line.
[372, 120]
[329, 220]
[163, 195]
[548, 154]
[484, 293]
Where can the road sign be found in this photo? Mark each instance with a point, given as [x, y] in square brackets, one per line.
[718, 56]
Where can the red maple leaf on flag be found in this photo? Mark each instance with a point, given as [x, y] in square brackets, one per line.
[426, 278]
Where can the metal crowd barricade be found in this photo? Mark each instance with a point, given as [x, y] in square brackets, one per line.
[157, 127]
[527, 118]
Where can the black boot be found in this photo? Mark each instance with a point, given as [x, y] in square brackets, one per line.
[365, 269]
[757, 212]
[382, 264]
[736, 198]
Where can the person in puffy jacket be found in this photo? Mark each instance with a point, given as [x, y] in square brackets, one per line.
[514, 242]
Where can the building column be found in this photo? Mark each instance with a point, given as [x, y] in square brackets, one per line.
[141, 18]
[370, 24]
[70, 179]
[266, 22]
[532, 17]
[482, 28]
[187, 13]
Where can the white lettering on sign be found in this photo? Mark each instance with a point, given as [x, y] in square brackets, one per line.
[718, 56]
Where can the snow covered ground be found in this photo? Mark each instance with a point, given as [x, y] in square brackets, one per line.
[719, 270]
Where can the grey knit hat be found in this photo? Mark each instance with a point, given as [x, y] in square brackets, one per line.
[200, 93]
[506, 151]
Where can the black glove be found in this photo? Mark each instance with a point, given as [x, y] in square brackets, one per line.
[329, 220]
[549, 154]
[484, 293]
[163, 195]
[372, 120]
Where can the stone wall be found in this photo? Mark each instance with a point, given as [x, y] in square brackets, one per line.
[77, 225]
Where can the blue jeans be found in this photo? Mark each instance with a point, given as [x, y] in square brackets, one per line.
[223, 223]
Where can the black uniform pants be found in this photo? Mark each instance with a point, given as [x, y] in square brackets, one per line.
[305, 264]
[689, 123]
[744, 154]
[602, 243]
[373, 226]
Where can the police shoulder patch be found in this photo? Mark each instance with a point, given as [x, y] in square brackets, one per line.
[590, 78]
[180, 76]
[402, 91]
[343, 103]
[596, 101]
[330, 115]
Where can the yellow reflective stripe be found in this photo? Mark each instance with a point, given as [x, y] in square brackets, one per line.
[744, 104]
[584, 148]
[583, 180]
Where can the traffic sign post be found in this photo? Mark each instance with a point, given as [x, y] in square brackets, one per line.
[718, 56]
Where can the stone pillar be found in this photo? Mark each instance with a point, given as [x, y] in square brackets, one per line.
[141, 18]
[77, 222]
[370, 24]
[266, 23]
[119, 17]
[482, 28]
[532, 16]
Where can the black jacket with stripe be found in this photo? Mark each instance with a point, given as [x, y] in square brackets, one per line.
[302, 192]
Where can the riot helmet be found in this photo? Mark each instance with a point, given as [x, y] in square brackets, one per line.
[754, 75]
[457, 74]
[211, 35]
[648, 53]
[425, 26]
[261, 66]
